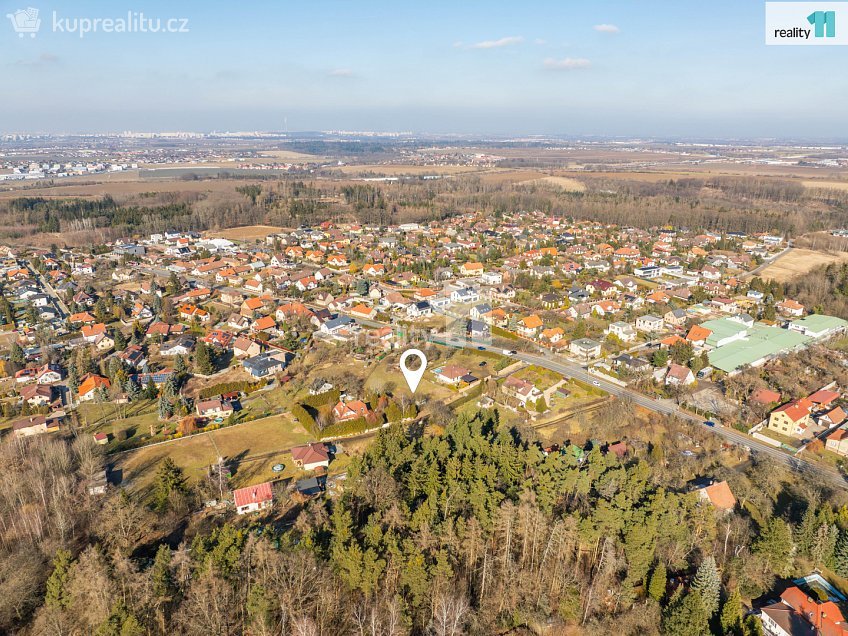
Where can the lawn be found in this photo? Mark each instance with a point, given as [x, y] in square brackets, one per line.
[541, 378]
[251, 448]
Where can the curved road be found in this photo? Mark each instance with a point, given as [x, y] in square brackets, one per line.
[572, 369]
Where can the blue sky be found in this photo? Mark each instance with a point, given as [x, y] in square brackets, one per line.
[596, 67]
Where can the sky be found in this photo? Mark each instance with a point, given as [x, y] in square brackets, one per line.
[609, 68]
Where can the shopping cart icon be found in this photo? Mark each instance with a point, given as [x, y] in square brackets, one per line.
[25, 21]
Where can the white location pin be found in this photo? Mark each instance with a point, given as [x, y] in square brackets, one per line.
[413, 377]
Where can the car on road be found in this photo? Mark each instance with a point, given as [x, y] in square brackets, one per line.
[596, 383]
[481, 348]
[709, 423]
[482, 364]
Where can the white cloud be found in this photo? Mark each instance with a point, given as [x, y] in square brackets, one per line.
[540, 41]
[496, 44]
[341, 72]
[566, 64]
[606, 28]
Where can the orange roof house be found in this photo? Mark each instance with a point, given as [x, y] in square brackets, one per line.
[719, 495]
[698, 334]
[91, 383]
[265, 323]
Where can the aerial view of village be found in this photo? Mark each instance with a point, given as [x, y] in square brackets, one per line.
[352, 379]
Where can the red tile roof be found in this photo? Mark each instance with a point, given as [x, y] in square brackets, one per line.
[253, 494]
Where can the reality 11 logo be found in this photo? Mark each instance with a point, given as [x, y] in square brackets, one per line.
[825, 23]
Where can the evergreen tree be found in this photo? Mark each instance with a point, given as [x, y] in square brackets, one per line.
[731, 614]
[805, 533]
[203, 359]
[180, 366]
[57, 595]
[685, 616]
[160, 575]
[169, 480]
[840, 554]
[658, 582]
[707, 583]
[775, 545]
[120, 340]
[16, 354]
[660, 358]
[164, 408]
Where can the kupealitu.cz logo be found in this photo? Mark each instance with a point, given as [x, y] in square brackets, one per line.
[806, 23]
[28, 22]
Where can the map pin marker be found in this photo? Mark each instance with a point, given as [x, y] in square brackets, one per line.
[413, 377]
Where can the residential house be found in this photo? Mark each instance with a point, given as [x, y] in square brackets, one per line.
[718, 494]
[311, 456]
[585, 348]
[265, 364]
[89, 386]
[213, 408]
[451, 374]
[253, 498]
[650, 324]
[529, 326]
[791, 418]
[678, 375]
[522, 390]
[623, 331]
[347, 411]
[36, 425]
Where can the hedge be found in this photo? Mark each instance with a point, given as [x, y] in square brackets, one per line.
[323, 399]
[306, 420]
[244, 386]
[353, 427]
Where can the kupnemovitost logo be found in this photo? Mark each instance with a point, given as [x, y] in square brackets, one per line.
[806, 23]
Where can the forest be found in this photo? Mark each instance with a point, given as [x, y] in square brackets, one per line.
[722, 204]
[468, 529]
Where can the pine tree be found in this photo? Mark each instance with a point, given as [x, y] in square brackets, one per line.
[658, 583]
[775, 545]
[120, 340]
[164, 408]
[840, 554]
[169, 480]
[180, 366]
[16, 354]
[685, 616]
[707, 583]
[805, 533]
[203, 359]
[160, 575]
[57, 595]
[731, 614]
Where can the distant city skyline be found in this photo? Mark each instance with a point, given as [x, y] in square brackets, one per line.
[612, 69]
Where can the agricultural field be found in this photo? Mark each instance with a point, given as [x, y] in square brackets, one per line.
[798, 262]
[566, 184]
